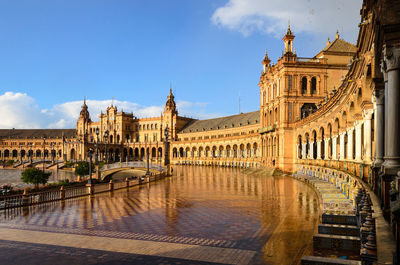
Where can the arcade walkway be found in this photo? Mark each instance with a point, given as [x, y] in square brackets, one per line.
[202, 215]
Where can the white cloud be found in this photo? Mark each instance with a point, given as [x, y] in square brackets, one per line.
[271, 16]
[19, 110]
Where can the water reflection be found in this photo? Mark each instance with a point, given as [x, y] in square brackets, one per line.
[275, 216]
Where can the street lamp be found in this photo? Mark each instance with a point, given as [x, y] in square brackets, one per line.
[90, 154]
[166, 148]
[97, 145]
[105, 140]
[31, 153]
[51, 150]
[44, 146]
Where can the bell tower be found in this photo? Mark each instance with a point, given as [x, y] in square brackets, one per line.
[288, 40]
[170, 114]
[82, 124]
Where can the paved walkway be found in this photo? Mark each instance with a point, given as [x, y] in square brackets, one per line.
[138, 247]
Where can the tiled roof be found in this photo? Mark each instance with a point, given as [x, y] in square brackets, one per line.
[242, 119]
[36, 133]
[339, 45]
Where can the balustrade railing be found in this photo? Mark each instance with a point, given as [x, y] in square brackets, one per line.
[27, 199]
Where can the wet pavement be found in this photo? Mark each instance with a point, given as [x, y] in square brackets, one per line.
[202, 215]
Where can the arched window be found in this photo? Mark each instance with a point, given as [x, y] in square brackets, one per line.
[304, 85]
[313, 86]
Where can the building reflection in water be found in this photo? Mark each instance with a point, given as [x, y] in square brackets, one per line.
[275, 216]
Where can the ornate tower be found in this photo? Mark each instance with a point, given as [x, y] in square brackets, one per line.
[265, 62]
[170, 115]
[288, 40]
[82, 124]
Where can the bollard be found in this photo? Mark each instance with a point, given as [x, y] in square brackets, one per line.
[25, 198]
[111, 185]
[127, 183]
[62, 193]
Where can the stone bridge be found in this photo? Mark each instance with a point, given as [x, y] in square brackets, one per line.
[110, 169]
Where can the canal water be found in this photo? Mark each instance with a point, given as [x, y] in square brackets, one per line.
[275, 217]
[13, 177]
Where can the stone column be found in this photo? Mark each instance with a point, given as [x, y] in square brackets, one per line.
[311, 153]
[334, 147]
[303, 150]
[326, 143]
[358, 124]
[297, 151]
[392, 153]
[319, 149]
[350, 143]
[379, 96]
[341, 148]
[367, 135]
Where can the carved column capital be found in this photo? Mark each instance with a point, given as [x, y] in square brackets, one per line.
[379, 96]
[367, 114]
[391, 54]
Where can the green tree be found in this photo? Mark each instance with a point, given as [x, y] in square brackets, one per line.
[35, 176]
[82, 168]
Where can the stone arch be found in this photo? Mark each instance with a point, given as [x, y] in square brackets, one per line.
[330, 145]
[14, 153]
[248, 150]
[39, 153]
[304, 85]
[142, 153]
[130, 152]
[6, 153]
[181, 152]
[137, 153]
[174, 152]
[228, 151]
[255, 149]
[314, 139]
[307, 109]
[72, 153]
[313, 85]
[160, 152]
[235, 150]
[187, 150]
[194, 149]
[208, 149]
[201, 150]
[153, 152]
[322, 137]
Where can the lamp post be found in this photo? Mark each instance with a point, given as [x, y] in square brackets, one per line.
[44, 146]
[90, 154]
[31, 153]
[97, 145]
[166, 149]
[147, 159]
[64, 153]
[105, 141]
[52, 153]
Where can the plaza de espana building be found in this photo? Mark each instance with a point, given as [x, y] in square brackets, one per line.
[338, 109]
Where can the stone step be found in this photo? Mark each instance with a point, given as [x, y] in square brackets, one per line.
[341, 230]
[348, 244]
[314, 260]
[339, 219]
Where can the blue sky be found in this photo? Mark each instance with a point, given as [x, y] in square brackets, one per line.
[53, 53]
